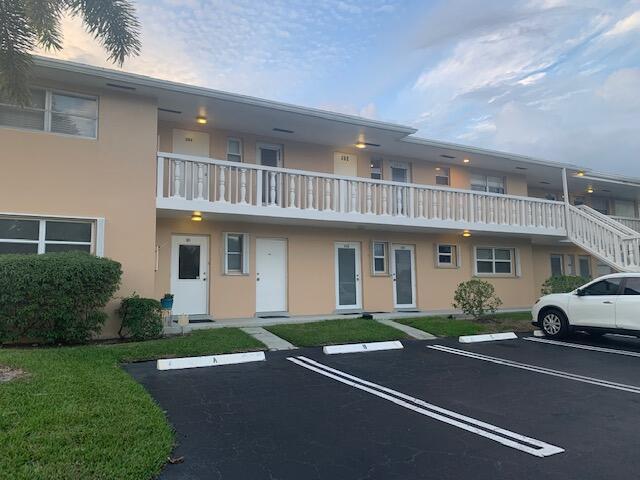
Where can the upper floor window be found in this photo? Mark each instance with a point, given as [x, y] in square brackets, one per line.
[487, 183]
[376, 168]
[53, 111]
[234, 150]
[442, 176]
[33, 235]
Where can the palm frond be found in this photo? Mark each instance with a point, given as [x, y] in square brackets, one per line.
[44, 18]
[113, 23]
[17, 39]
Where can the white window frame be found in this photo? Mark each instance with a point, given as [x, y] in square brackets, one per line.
[562, 263]
[245, 254]
[444, 172]
[455, 255]
[570, 263]
[97, 231]
[579, 270]
[48, 95]
[485, 185]
[406, 166]
[385, 257]
[515, 262]
[373, 170]
[239, 140]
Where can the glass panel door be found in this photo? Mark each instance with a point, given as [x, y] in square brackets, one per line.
[270, 156]
[403, 276]
[348, 275]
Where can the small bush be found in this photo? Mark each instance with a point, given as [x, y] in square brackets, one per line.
[141, 317]
[562, 284]
[476, 298]
[55, 297]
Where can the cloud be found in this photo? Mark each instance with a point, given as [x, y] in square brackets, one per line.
[627, 24]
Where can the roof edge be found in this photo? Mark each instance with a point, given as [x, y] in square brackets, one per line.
[144, 80]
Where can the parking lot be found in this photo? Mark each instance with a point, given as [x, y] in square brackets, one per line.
[524, 408]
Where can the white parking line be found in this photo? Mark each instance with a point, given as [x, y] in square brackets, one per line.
[535, 368]
[583, 347]
[497, 434]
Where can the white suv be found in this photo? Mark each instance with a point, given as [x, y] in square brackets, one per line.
[607, 304]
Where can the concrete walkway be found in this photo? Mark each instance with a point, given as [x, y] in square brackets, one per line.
[273, 342]
[412, 332]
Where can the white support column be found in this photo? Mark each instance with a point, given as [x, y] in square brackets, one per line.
[160, 178]
[565, 192]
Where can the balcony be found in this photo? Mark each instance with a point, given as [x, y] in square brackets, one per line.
[220, 187]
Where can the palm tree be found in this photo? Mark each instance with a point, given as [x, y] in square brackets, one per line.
[27, 24]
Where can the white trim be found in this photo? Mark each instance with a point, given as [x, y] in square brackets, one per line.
[205, 267]
[385, 257]
[358, 271]
[245, 254]
[515, 262]
[412, 253]
[95, 244]
[456, 257]
[286, 272]
[241, 154]
[268, 146]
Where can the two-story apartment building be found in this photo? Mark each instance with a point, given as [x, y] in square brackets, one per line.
[243, 207]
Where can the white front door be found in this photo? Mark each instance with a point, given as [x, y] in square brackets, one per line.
[345, 164]
[271, 275]
[347, 266]
[189, 274]
[403, 275]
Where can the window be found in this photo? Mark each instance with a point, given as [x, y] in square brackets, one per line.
[487, 183]
[625, 208]
[400, 172]
[571, 265]
[53, 111]
[447, 256]
[236, 247]
[494, 261]
[379, 262]
[584, 265]
[234, 150]
[33, 235]
[600, 205]
[603, 287]
[603, 269]
[632, 286]
[442, 176]
[376, 168]
[577, 201]
[557, 267]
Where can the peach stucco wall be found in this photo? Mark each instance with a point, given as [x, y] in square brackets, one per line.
[111, 177]
[319, 158]
[311, 284]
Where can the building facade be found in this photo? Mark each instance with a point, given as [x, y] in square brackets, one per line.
[243, 207]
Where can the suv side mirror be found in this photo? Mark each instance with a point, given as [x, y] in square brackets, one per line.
[580, 292]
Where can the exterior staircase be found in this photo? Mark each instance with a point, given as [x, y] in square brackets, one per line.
[605, 238]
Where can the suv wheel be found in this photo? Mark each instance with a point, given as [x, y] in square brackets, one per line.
[554, 323]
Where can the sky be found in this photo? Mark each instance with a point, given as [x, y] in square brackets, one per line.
[553, 79]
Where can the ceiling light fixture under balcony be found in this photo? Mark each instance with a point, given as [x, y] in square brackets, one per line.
[466, 233]
[202, 120]
[466, 160]
[589, 189]
[196, 217]
[580, 174]
[361, 145]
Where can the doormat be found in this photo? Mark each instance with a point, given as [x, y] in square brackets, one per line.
[201, 320]
[272, 316]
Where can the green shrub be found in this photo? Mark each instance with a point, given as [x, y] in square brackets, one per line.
[141, 317]
[562, 284]
[55, 297]
[476, 298]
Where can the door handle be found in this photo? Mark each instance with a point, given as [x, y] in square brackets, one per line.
[607, 302]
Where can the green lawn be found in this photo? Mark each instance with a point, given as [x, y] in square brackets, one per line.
[78, 415]
[451, 327]
[331, 332]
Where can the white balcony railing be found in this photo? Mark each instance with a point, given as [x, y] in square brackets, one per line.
[198, 183]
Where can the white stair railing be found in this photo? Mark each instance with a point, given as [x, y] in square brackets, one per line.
[631, 222]
[610, 241]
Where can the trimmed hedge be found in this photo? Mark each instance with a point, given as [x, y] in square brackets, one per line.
[562, 284]
[55, 297]
[141, 317]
